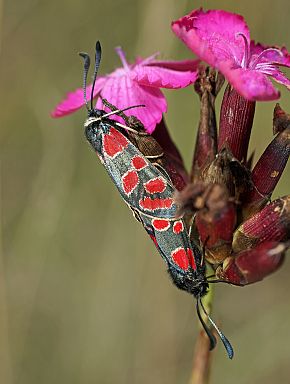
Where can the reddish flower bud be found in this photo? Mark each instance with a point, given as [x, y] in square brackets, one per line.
[252, 265]
[207, 86]
[236, 120]
[270, 224]
[270, 166]
[215, 223]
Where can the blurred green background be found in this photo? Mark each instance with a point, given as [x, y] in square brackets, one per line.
[84, 296]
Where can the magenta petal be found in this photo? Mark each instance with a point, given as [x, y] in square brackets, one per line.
[124, 92]
[181, 65]
[270, 56]
[155, 76]
[75, 100]
[252, 85]
[213, 35]
[281, 78]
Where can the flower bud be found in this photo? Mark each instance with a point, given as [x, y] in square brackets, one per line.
[215, 223]
[272, 223]
[252, 265]
[269, 168]
[207, 86]
[236, 120]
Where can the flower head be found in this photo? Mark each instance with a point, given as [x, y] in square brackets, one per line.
[134, 84]
[222, 39]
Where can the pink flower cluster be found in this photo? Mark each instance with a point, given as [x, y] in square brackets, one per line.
[219, 38]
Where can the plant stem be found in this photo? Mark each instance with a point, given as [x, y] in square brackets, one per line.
[202, 357]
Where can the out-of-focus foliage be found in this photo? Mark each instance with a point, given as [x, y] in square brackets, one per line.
[84, 296]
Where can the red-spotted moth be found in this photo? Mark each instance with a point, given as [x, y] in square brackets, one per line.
[149, 193]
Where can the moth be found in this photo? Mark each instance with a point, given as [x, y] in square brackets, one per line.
[148, 191]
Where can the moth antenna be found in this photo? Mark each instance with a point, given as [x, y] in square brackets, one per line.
[113, 108]
[210, 335]
[225, 341]
[97, 65]
[87, 63]
[119, 111]
[130, 129]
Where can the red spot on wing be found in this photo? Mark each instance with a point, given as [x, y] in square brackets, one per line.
[179, 256]
[183, 258]
[138, 162]
[191, 259]
[150, 204]
[114, 142]
[160, 224]
[178, 227]
[119, 136]
[156, 185]
[130, 181]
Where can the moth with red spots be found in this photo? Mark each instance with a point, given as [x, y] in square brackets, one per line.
[149, 194]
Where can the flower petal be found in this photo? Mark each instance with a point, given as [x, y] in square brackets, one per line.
[281, 78]
[213, 35]
[271, 56]
[252, 85]
[75, 100]
[123, 92]
[162, 77]
[179, 65]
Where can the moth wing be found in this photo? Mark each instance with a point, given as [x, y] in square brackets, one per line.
[140, 183]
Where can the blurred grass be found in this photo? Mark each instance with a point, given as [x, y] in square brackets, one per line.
[84, 297]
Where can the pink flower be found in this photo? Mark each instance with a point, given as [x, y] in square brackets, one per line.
[222, 39]
[135, 84]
